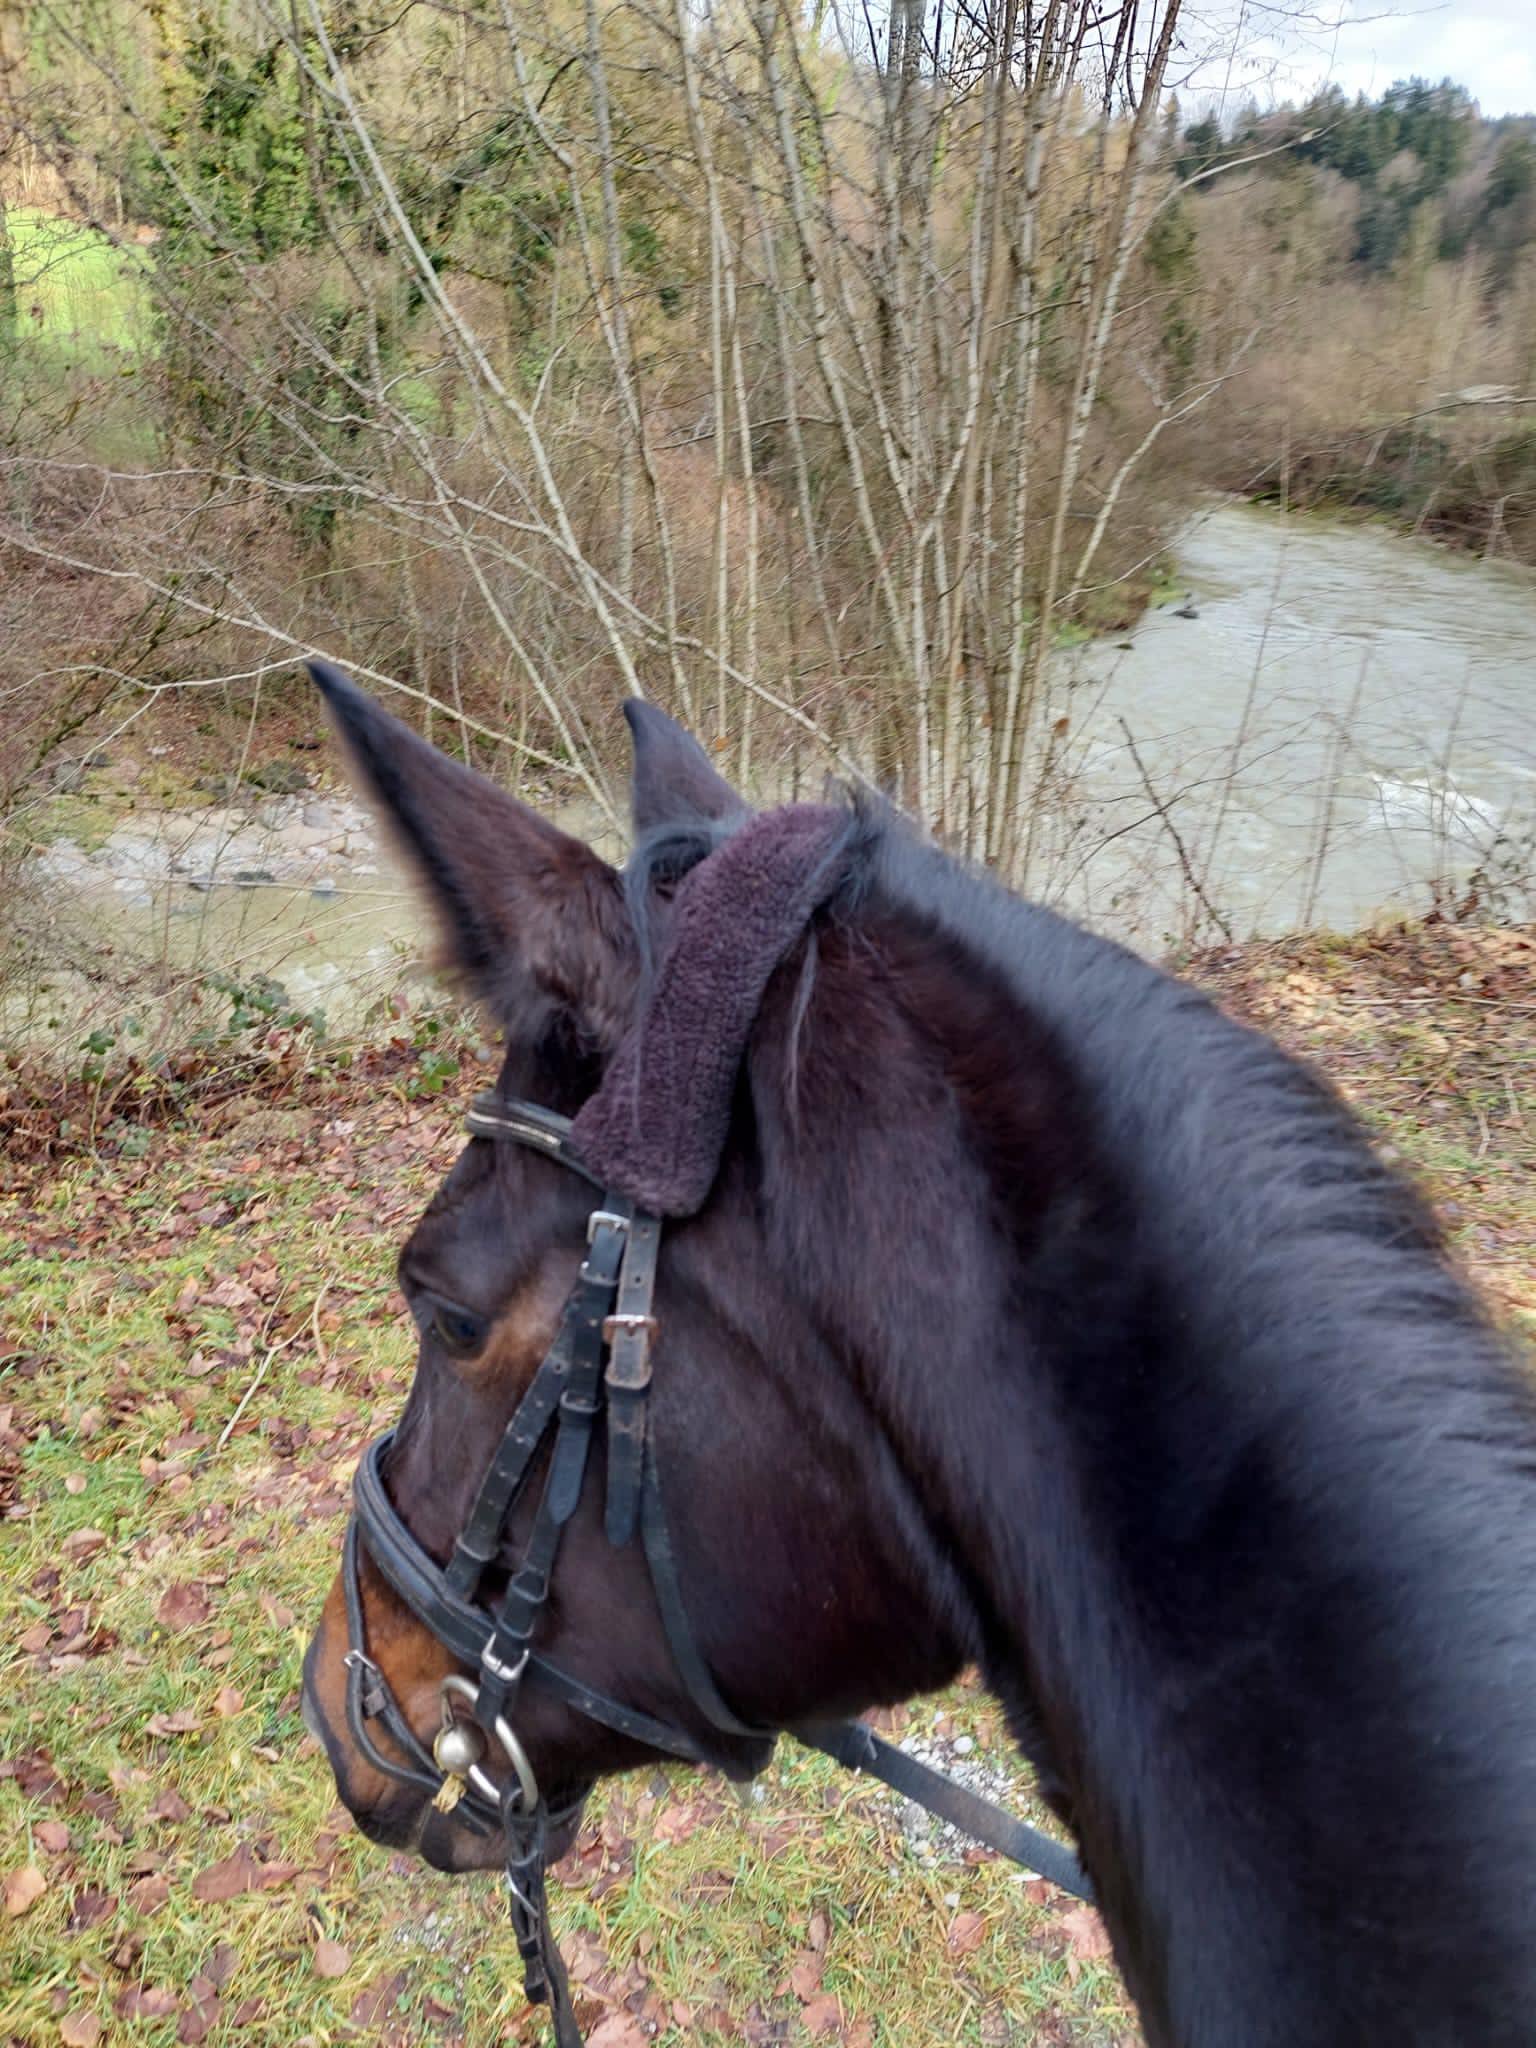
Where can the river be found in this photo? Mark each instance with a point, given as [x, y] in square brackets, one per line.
[1347, 722]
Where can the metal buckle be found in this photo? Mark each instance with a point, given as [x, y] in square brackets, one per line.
[509, 1674]
[626, 1324]
[600, 1217]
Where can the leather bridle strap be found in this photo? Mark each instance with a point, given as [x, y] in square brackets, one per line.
[858, 1748]
[463, 1629]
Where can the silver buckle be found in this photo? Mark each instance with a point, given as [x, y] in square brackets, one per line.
[601, 1217]
[509, 1674]
[625, 1323]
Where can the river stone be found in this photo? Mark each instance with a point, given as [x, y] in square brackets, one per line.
[129, 853]
[64, 861]
[318, 817]
[297, 837]
[250, 878]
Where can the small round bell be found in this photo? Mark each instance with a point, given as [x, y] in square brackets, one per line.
[458, 1748]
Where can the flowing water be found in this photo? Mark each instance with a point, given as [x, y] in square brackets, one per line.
[1346, 725]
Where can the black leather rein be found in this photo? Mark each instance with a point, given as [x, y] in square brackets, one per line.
[599, 1363]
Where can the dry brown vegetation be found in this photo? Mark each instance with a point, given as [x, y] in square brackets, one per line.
[800, 379]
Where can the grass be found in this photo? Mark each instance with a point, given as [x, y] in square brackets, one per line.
[165, 1553]
[81, 300]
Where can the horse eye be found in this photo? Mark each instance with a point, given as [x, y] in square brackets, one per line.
[459, 1331]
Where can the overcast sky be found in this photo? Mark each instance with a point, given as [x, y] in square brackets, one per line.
[1273, 51]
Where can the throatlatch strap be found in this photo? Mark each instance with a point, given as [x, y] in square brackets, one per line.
[695, 1673]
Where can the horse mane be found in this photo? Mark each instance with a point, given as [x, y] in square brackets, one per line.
[1252, 1178]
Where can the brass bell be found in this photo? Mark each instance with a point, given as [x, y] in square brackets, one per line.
[458, 1748]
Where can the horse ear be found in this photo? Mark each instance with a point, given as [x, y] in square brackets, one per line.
[674, 781]
[530, 918]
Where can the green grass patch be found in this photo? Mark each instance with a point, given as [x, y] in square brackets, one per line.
[80, 300]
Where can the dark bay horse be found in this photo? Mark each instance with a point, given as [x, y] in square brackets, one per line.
[1037, 1315]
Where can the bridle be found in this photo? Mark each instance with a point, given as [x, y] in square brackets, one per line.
[599, 1362]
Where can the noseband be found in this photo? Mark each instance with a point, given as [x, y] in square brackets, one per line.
[598, 1363]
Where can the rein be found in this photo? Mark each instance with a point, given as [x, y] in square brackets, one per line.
[598, 1363]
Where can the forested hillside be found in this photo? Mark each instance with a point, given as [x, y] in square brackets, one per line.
[1383, 253]
[817, 375]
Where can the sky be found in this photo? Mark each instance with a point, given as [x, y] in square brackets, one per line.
[1274, 50]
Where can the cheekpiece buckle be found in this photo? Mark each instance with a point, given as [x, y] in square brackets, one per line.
[621, 1324]
[506, 1674]
[601, 1219]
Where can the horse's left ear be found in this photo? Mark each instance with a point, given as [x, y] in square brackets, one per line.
[531, 919]
[674, 781]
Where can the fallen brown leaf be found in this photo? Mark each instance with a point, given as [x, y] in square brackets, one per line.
[228, 1702]
[227, 1879]
[823, 2015]
[332, 1959]
[222, 1965]
[145, 2002]
[80, 2030]
[967, 1931]
[198, 2019]
[1086, 1933]
[805, 1977]
[149, 1894]
[182, 1722]
[88, 1908]
[53, 1835]
[618, 2030]
[183, 1605]
[23, 1889]
[378, 2001]
[677, 1823]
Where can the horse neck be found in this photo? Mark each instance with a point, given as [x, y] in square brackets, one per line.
[1215, 1610]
